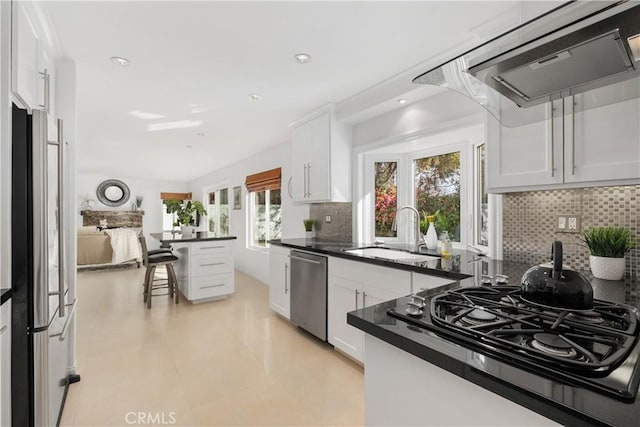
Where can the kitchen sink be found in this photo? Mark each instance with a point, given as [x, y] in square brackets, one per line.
[391, 254]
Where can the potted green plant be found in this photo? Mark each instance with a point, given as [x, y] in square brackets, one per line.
[607, 247]
[308, 227]
[139, 200]
[185, 214]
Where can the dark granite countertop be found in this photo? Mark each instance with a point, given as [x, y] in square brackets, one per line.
[561, 402]
[201, 236]
[5, 295]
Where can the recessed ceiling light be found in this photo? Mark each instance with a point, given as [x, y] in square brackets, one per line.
[255, 97]
[402, 101]
[181, 124]
[200, 134]
[118, 60]
[303, 58]
[189, 146]
[145, 115]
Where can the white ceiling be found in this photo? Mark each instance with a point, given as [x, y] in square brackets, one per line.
[199, 61]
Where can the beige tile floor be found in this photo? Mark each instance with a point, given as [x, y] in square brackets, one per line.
[229, 362]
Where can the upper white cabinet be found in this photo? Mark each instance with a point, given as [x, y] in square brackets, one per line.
[321, 159]
[279, 283]
[26, 83]
[32, 64]
[589, 139]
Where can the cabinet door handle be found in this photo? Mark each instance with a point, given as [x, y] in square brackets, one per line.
[286, 279]
[357, 293]
[364, 299]
[304, 181]
[211, 263]
[47, 83]
[212, 247]
[4, 328]
[211, 286]
[551, 153]
[573, 135]
[308, 179]
[305, 259]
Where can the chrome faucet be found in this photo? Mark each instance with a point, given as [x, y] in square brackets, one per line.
[394, 226]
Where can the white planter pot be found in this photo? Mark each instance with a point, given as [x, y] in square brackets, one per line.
[187, 230]
[607, 268]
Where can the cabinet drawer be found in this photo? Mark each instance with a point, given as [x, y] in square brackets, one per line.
[211, 247]
[207, 264]
[211, 286]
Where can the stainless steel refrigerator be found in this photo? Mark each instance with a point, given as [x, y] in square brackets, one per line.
[42, 314]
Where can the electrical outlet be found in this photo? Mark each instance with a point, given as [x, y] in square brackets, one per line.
[568, 223]
[573, 223]
[327, 219]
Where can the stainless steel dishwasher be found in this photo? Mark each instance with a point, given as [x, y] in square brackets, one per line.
[309, 292]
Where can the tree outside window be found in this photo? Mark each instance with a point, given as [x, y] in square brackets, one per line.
[437, 191]
[386, 202]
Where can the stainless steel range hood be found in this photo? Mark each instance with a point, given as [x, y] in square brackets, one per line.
[576, 47]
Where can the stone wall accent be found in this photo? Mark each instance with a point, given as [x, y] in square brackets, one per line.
[529, 222]
[131, 219]
[341, 226]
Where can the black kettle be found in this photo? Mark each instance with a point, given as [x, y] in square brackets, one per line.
[557, 288]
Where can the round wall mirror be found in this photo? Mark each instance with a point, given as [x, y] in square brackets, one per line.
[113, 192]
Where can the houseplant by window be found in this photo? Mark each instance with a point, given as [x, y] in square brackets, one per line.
[185, 214]
[607, 246]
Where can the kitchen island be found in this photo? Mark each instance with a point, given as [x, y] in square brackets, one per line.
[205, 268]
[457, 382]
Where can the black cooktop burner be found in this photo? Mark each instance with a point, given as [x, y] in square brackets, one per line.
[584, 347]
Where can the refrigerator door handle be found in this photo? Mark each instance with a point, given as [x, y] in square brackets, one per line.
[61, 257]
[62, 335]
[40, 222]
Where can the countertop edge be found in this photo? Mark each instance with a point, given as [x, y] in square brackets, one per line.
[5, 295]
[195, 239]
[549, 409]
[376, 261]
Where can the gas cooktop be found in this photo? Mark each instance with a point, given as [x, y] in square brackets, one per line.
[598, 348]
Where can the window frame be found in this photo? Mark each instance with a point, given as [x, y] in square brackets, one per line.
[213, 189]
[250, 203]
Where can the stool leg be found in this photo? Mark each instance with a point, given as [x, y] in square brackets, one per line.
[173, 279]
[145, 285]
[149, 286]
[170, 284]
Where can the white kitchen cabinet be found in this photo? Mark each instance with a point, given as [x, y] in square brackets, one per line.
[422, 282]
[354, 285]
[321, 151]
[5, 364]
[25, 79]
[205, 269]
[529, 154]
[602, 140]
[46, 96]
[590, 139]
[279, 280]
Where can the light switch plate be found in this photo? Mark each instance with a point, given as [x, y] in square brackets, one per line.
[568, 223]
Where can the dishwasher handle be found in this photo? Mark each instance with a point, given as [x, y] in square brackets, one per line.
[297, 258]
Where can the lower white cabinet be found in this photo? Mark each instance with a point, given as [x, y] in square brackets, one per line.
[354, 285]
[205, 269]
[422, 282]
[279, 295]
[5, 364]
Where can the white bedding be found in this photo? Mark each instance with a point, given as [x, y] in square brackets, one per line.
[125, 245]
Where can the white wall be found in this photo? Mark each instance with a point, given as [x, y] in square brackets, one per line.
[251, 261]
[87, 183]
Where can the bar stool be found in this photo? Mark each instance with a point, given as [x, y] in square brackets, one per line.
[165, 259]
